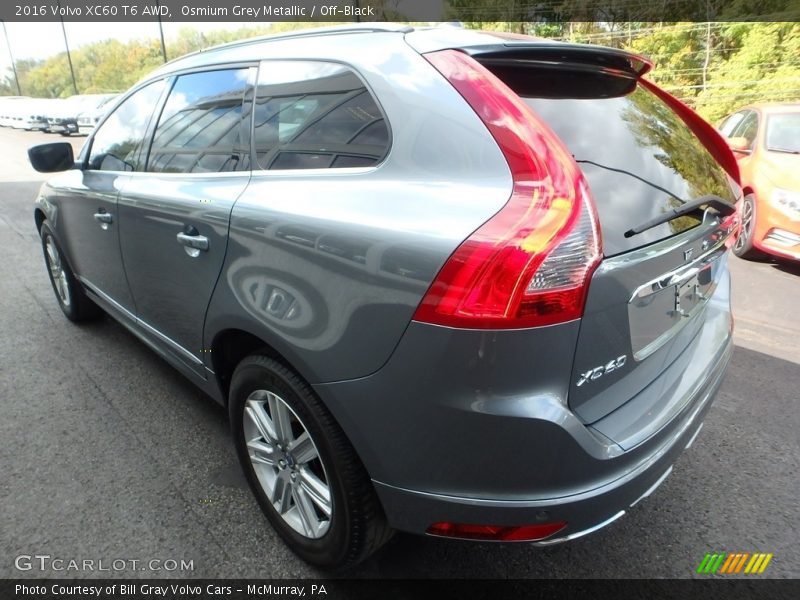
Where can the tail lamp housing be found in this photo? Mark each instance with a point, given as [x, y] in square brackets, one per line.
[529, 265]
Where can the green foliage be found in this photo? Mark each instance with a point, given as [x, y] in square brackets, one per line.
[113, 66]
[715, 67]
[761, 63]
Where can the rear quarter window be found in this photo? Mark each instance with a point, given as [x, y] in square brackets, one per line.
[316, 115]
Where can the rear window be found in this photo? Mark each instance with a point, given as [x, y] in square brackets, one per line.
[639, 157]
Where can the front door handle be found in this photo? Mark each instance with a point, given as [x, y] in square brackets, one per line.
[193, 242]
[104, 218]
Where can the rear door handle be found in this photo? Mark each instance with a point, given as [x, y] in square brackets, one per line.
[197, 242]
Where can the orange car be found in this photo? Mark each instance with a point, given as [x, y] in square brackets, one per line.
[765, 138]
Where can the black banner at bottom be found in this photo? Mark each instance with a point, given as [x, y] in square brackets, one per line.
[390, 589]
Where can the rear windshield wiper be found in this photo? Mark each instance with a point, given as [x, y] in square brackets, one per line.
[724, 209]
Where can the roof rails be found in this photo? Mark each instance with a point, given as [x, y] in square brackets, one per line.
[314, 31]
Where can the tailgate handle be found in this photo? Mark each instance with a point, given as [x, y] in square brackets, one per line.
[675, 279]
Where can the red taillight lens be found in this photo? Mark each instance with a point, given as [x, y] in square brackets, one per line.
[518, 533]
[529, 264]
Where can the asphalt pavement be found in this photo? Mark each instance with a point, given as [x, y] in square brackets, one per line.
[109, 454]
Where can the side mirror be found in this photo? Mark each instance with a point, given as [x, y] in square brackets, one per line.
[739, 144]
[49, 158]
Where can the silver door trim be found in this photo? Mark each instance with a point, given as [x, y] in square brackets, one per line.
[173, 345]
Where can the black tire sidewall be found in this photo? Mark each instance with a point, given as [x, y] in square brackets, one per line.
[71, 311]
[747, 251]
[330, 549]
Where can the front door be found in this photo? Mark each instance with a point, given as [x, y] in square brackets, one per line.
[86, 215]
[175, 213]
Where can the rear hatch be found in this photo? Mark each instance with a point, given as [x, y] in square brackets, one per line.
[647, 300]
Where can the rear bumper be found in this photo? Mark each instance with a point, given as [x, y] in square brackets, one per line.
[474, 427]
[584, 511]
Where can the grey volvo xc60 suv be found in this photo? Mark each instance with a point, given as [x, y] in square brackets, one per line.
[454, 283]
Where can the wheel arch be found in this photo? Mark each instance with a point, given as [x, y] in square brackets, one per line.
[230, 346]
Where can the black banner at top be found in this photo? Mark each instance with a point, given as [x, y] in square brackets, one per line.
[532, 11]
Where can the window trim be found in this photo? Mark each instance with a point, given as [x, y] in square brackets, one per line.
[158, 107]
[86, 152]
[244, 129]
[248, 101]
[255, 166]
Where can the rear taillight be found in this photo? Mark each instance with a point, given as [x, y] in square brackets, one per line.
[530, 264]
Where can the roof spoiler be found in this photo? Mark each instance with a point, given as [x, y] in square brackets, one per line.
[611, 61]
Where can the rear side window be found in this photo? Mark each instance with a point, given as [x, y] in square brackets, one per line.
[639, 157]
[316, 115]
[116, 144]
[200, 129]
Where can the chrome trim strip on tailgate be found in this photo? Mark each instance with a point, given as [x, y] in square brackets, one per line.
[676, 278]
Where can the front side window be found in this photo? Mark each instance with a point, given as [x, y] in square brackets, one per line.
[116, 144]
[316, 115]
[200, 128]
[748, 128]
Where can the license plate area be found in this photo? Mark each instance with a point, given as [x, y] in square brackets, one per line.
[692, 292]
[659, 309]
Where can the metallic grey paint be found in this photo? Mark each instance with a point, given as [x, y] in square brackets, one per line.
[327, 268]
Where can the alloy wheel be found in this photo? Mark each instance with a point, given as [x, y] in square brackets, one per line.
[287, 464]
[747, 225]
[57, 272]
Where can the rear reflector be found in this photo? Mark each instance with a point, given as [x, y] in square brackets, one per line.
[530, 264]
[519, 533]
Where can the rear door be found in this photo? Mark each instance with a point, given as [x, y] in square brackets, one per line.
[175, 213]
[649, 300]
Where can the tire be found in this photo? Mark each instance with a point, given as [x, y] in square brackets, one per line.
[743, 246]
[71, 297]
[356, 526]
